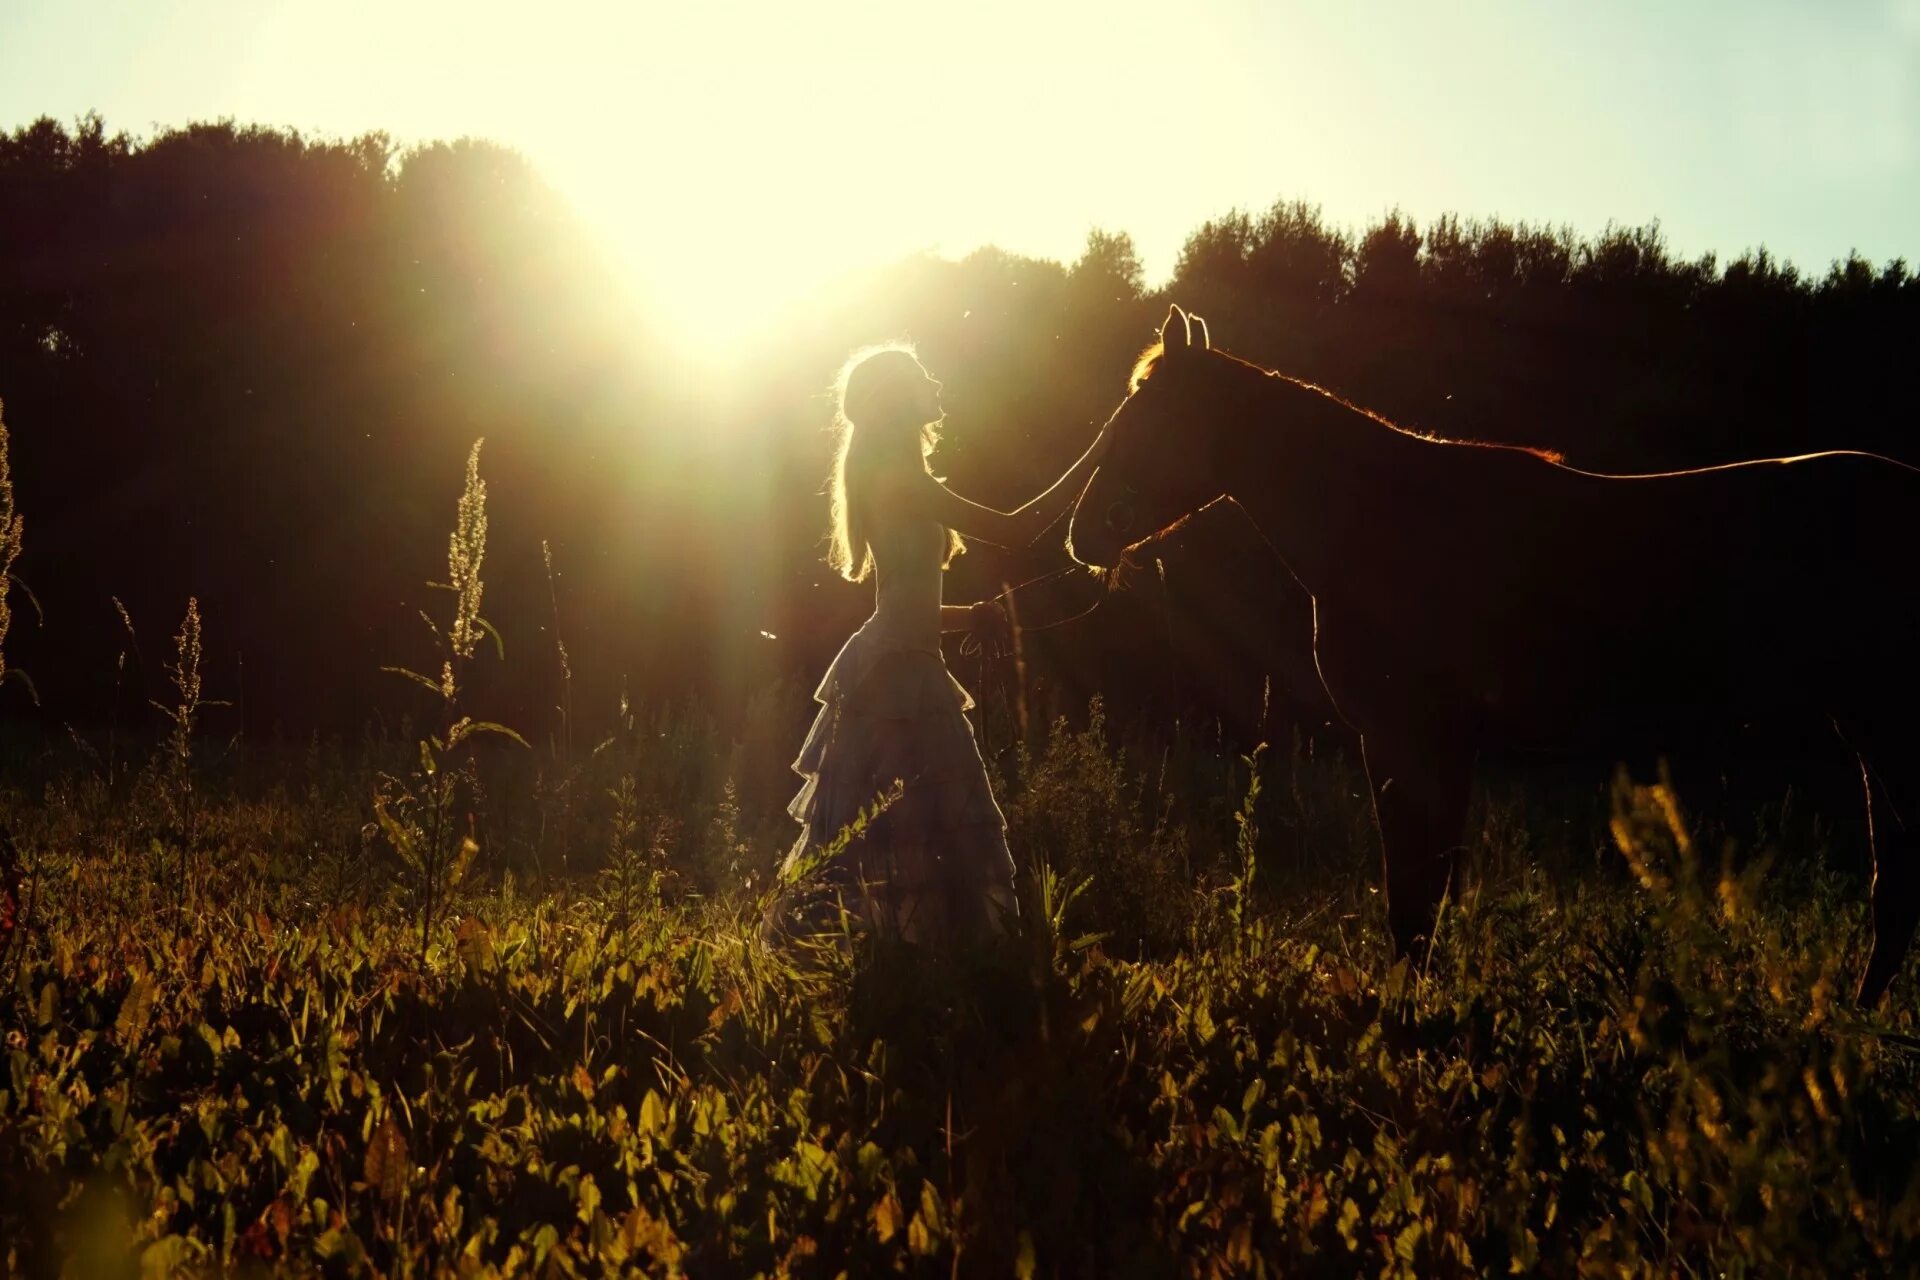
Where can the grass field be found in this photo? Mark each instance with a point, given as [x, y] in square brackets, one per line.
[237, 1057]
[443, 1001]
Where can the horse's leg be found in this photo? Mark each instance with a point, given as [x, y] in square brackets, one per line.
[1420, 785]
[1892, 785]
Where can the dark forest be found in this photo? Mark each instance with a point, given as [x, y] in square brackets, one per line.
[244, 365]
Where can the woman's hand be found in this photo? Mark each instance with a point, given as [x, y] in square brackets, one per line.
[989, 628]
[1022, 526]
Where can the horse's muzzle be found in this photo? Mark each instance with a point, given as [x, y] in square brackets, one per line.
[1120, 515]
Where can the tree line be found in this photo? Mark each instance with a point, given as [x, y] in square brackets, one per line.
[245, 365]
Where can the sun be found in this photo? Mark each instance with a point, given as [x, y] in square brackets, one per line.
[739, 178]
[736, 160]
[718, 279]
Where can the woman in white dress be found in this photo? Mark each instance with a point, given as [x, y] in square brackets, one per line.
[933, 867]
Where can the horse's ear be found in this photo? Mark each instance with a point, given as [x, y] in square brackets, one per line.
[1175, 331]
[1206, 339]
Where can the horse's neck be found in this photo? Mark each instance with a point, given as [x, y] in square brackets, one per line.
[1313, 467]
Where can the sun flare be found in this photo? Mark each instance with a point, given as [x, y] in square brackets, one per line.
[736, 160]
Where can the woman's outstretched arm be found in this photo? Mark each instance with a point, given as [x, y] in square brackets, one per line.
[1024, 524]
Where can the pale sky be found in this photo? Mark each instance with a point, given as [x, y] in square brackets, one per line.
[800, 138]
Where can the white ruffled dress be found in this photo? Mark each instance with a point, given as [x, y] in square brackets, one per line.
[933, 866]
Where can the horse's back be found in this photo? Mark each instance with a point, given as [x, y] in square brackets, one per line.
[1808, 565]
[1672, 601]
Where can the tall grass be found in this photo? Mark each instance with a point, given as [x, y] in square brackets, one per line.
[12, 531]
[12, 526]
[176, 758]
[417, 810]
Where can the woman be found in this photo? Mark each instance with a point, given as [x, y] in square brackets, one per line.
[933, 865]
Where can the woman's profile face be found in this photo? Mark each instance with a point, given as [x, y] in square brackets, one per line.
[892, 391]
[926, 397]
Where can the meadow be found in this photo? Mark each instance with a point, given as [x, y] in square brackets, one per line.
[444, 999]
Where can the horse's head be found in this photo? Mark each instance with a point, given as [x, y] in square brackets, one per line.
[1162, 462]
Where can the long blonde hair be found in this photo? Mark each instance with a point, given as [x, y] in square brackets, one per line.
[873, 427]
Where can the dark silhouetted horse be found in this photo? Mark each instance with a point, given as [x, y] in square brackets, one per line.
[1472, 597]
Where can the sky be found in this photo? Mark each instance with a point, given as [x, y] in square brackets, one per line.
[794, 141]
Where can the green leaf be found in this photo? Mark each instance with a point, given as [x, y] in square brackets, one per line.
[399, 834]
[303, 1171]
[135, 1011]
[1202, 1021]
[462, 859]
[1025, 1264]
[1349, 1219]
[499, 645]
[924, 1232]
[386, 1163]
[488, 726]
[15, 673]
[885, 1216]
[474, 942]
[341, 1243]
[417, 678]
[40, 615]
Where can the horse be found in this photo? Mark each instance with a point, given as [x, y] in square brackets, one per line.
[1470, 597]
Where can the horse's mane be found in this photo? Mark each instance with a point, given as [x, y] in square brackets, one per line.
[1144, 366]
[1151, 357]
